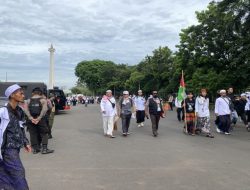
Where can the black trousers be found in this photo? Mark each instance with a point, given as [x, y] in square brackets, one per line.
[171, 105]
[140, 116]
[248, 116]
[38, 133]
[155, 123]
[243, 117]
[224, 123]
[125, 122]
[179, 112]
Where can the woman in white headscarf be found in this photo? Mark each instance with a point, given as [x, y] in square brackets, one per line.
[203, 113]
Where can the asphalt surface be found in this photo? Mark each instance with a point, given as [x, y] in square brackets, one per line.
[86, 160]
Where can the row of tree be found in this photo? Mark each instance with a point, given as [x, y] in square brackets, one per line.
[213, 54]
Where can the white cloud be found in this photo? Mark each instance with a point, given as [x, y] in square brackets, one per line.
[123, 31]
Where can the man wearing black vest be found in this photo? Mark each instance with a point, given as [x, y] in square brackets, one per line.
[154, 109]
[38, 127]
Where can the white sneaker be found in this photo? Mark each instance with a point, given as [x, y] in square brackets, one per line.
[139, 125]
[218, 130]
[142, 124]
[227, 133]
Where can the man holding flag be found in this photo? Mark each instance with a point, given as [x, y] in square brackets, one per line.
[181, 98]
[178, 101]
[181, 93]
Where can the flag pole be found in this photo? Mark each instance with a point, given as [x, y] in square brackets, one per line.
[185, 111]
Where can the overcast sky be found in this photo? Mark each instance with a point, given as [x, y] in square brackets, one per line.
[123, 31]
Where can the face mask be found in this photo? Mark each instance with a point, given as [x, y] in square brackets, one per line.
[155, 96]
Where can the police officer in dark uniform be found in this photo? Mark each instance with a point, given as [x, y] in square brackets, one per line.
[38, 127]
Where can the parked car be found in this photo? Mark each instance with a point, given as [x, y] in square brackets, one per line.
[60, 99]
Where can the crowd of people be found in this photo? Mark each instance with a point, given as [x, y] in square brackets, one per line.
[128, 107]
[193, 111]
[81, 99]
[39, 110]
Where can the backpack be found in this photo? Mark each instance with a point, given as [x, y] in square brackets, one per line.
[35, 107]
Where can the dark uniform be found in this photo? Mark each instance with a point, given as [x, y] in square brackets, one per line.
[37, 109]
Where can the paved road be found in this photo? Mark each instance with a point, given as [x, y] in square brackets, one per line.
[85, 160]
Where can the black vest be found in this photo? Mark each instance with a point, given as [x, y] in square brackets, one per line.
[35, 107]
[153, 107]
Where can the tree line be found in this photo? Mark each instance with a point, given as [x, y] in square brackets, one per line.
[213, 54]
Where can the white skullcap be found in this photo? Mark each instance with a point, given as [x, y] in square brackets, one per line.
[223, 91]
[11, 89]
[109, 91]
[243, 94]
[125, 92]
[139, 91]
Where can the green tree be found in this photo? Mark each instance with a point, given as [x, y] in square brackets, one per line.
[81, 89]
[101, 75]
[92, 73]
[154, 72]
[213, 54]
[210, 53]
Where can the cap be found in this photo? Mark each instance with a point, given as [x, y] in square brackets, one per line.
[243, 94]
[125, 92]
[139, 91]
[11, 89]
[37, 89]
[223, 91]
[109, 91]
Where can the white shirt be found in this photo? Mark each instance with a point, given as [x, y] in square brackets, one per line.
[140, 103]
[247, 107]
[107, 106]
[4, 116]
[177, 103]
[222, 106]
[202, 106]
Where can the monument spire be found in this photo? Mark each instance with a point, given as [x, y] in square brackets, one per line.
[51, 70]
